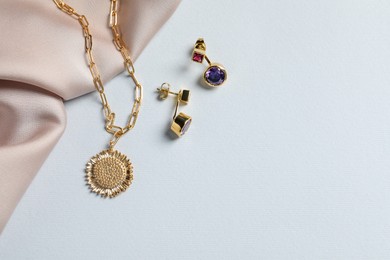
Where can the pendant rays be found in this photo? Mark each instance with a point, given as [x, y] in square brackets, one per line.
[109, 173]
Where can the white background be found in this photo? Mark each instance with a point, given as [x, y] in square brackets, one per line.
[288, 160]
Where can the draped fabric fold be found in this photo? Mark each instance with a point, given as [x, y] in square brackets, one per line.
[42, 63]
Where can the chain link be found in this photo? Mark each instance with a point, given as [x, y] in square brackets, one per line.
[119, 43]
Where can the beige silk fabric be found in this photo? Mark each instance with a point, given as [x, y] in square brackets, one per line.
[42, 63]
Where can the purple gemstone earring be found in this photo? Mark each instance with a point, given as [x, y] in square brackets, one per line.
[215, 74]
[181, 121]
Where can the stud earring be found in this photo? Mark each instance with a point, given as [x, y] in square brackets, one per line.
[215, 74]
[181, 122]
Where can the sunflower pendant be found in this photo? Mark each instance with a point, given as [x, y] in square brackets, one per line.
[109, 173]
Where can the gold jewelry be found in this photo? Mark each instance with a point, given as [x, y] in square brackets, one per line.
[108, 172]
[181, 122]
[215, 74]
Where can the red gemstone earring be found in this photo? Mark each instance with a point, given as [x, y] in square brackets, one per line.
[215, 74]
[181, 122]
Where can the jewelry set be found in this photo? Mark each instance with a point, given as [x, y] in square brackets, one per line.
[110, 172]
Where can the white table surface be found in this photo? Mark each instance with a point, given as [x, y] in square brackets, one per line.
[289, 160]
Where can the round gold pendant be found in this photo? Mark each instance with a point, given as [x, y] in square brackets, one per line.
[109, 173]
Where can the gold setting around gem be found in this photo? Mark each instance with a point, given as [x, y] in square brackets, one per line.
[180, 124]
[222, 68]
[109, 173]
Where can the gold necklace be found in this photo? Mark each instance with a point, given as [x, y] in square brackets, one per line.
[108, 172]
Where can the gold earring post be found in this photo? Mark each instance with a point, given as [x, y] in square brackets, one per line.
[181, 122]
[183, 95]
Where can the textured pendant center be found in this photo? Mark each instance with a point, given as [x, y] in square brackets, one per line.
[109, 172]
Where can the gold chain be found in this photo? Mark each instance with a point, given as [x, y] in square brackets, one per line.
[110, 126]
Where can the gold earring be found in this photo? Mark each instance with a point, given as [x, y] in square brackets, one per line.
[181, 122]
[215, 74]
